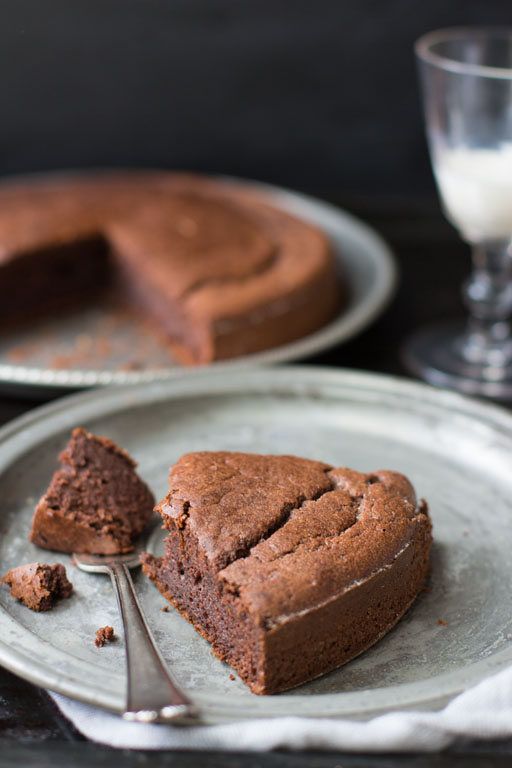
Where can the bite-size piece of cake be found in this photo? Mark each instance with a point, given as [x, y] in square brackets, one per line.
[38, 586]
[95, 503]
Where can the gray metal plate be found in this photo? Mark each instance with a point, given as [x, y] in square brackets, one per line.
[100, 345]
[456, 451]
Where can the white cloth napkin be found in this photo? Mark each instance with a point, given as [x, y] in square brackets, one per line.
[484, 711]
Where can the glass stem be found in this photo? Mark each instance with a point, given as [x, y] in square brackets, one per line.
[488, 296]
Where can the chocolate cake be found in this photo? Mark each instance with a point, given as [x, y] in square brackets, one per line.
[288, 566]
[38, 586]
[95, 503]
[217, 267]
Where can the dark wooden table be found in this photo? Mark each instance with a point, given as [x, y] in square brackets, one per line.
[433, 263]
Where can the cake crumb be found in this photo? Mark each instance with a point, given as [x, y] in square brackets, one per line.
[103, 635]
[232, 677]
[426, 590]
[442, 623]
[37, 585]
[165, 608]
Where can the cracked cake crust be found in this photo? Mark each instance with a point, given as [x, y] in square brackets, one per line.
[288, 566]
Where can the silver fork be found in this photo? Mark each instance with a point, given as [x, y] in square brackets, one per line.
[152, 696]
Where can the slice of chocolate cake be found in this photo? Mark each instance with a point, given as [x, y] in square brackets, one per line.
[38, 586]
[96, 502]
[288, 566]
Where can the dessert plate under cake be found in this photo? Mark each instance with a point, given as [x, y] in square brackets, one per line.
[99, 343]
[455, 451]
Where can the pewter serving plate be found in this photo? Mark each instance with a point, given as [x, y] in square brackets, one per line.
[456, 451]
[100, 345]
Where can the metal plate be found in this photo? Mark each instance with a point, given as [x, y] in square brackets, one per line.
[99, 345]
[455, 450]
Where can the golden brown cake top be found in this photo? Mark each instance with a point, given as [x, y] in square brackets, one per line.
[219, 244]
[187, 241]
[51, 210]
[284, 533]
[218, 265]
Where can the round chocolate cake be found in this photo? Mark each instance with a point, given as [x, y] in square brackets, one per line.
[214, 264]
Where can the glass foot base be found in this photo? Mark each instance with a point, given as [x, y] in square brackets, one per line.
[433, 355]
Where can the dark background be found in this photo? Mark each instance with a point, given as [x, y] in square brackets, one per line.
[319, 95]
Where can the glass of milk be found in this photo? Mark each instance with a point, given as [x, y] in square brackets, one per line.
[466, 78]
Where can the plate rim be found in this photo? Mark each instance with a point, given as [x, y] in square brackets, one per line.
[276, 380]
[345, 326]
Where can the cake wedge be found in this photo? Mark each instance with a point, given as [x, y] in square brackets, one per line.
[95, 503]
[288, 566]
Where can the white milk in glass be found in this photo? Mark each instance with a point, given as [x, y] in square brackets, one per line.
[476, 189]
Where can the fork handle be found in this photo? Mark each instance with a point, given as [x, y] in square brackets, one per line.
[151, 696]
